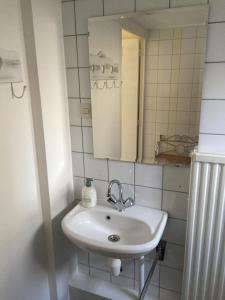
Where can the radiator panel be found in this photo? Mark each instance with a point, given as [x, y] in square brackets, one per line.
[204, 272]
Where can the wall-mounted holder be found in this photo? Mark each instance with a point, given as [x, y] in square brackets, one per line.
[10, 70]
[13, 92]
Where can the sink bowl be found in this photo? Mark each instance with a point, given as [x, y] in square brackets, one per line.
[101, 229]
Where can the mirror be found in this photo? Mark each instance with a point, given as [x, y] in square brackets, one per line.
[146, 81]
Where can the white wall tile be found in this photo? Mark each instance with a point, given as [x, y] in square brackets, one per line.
[128, 268]
[70, 48]
[170, 279]
[85, 87]
[99, 261]
[176, 178]
[217, 10]
[148, 264]
[78, 185]
[95, 168]
[213, 82]
[86, 121]
[83, 52]
[118, 6]
[68, 18]
[72, 83]
[82, 256]
[216, 42]
[148, 175]
[174, 256]
[123, 171]
[177, 3]
[212, 144]
[149, 197]
[85, 9]
[103, 275]
[83, 269]
[78, 165]
[169, 295]
[153, 4]
[76, 138]
[123, 281]
[212, 116]
[88, 139]
[175, 231]
[101, 189]
[175, 204]
[74, 112]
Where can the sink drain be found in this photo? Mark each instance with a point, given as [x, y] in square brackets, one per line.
[113, 238]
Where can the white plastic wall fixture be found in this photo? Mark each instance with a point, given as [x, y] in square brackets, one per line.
[115, 266]
[10, 66]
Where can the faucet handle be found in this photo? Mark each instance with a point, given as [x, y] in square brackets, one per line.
[112, 199]
[129, 202]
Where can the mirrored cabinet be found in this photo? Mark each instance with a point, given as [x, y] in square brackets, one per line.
[146, 74]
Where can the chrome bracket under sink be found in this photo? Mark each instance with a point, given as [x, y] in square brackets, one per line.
[159, 255]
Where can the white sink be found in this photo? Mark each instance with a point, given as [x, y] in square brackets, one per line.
[139, 228]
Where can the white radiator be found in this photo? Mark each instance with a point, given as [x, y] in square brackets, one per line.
[204, 271]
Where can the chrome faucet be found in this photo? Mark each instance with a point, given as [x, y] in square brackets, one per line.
[119, 204]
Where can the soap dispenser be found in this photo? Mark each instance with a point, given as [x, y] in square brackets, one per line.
[89, 196]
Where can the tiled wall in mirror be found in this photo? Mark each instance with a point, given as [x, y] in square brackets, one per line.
[146, 79]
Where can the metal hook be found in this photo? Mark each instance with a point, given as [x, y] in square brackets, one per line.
[13, 93]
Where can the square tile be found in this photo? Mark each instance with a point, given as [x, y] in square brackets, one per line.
[85, 9]
[100, 274]
[164, 76]
[78, 185]
[98, 261]
[76, 138]
[123, 171]
[216, 42]
[153, 4]
[101, 189]
[148, 175]
[88, 139]
[85, 87]
[212, 116]
[175, 204]
[166, 34]
[187, 46]
[213, 82]
[217, 10]
[169, 295]
[148, 197]
[83, 50]
[78, 165]
[176, 178]
[87, 121]
[164, 62]
[152, 48]
[174, 256]
[178, 3]
[95, 168]
[175, 231]
[74, 112]
[170, 279]
[214, 144]
[118, 6]
[72, 83]
[165, 47]
[68, 18]
[70, 49]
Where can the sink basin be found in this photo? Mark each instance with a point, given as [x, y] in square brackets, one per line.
[101, 229]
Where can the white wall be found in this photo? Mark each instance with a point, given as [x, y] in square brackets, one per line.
[212, 126]
[23, 271]
[44, 48]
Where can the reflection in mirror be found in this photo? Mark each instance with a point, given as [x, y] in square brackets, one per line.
[146, 80]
